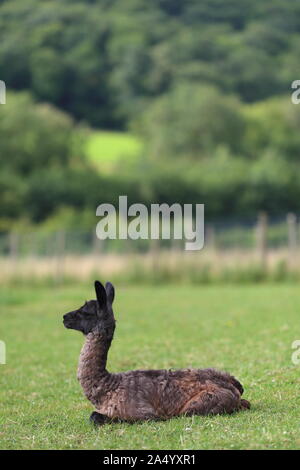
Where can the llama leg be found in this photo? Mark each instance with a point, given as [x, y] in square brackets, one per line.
[245, 404]
[219, 401]
[98, 419]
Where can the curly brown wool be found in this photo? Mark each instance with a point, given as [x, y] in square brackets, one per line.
[143, 394]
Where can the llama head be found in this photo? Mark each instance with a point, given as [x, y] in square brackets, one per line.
[94, 315]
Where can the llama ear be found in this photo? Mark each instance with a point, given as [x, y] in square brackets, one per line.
[110, 291]
[101, 295]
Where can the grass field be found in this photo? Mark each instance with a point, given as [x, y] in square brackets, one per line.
[106, 148]
[247, 330]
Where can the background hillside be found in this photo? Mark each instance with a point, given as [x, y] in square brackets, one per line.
[197, 91]
[104, 61]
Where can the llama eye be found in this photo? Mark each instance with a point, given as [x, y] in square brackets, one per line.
[86, 312]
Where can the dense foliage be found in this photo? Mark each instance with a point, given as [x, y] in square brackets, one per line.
[102, 60]
[205, 83]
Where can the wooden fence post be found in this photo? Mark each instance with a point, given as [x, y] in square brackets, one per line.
[292, 238]
[32, 244]
[262, 242]
[154, 250]
[97, 248]
[210, 237]
[14, 250]
[13, 246]
[60, 254]
[176, 243]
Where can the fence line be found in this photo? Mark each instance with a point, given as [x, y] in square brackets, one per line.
[256, 240]
[259, 236]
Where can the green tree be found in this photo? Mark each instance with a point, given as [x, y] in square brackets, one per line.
[191, 121]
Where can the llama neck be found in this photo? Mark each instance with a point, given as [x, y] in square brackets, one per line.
[92, 361]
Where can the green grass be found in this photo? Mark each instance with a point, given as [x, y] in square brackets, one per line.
[247, 330]
[106, 148]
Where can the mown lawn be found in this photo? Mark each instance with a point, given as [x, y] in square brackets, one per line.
[247, 330]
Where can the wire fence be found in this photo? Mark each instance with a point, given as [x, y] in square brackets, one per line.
[22, 252]
[259, 234]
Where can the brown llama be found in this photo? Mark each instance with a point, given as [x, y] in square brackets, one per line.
[142, 394]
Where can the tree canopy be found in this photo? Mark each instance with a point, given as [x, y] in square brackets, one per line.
[102, 60]
[206, 84]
